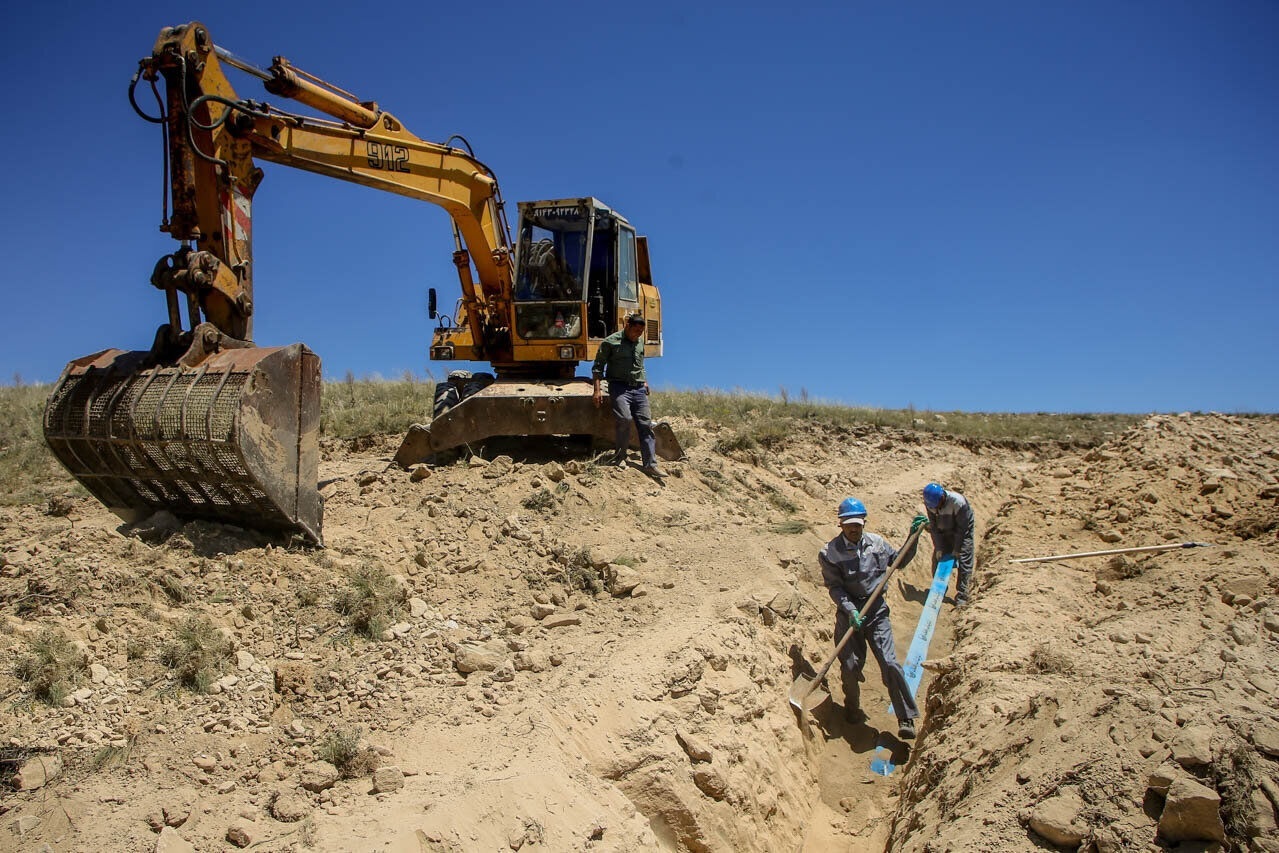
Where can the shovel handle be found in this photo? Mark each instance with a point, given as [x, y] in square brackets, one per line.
[870, 603]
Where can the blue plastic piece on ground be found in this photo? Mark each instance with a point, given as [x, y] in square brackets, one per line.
[881, 764]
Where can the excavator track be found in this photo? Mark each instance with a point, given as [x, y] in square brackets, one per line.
[233, 440]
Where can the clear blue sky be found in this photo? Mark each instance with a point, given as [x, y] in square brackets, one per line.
[997, 206]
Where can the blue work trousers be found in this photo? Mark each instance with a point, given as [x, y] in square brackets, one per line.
[879, 631]
[630, 404]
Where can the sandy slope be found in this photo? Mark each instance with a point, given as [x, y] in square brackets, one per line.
[589, 724]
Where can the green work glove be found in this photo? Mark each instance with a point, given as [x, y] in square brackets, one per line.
[918, 522]
[853, 616]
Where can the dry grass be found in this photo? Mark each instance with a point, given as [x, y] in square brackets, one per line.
[28, 472]
[1046, 660]
[761, 420]
[50, 666]
[353, 408]
[197, 653]
[342, 749]
[371, 601]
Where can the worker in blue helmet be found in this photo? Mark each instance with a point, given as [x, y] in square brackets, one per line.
[951, 524]
[853, 564]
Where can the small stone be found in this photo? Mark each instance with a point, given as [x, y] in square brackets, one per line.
[318, 776]
[290, 808]
[519, 624]
[693, 746]
[1056, 819]
[387, 779]
[207, 763]
[1242, 633]
[1193, 747]
[25, 824]
[1191, 813]
[98, 673]
[244, 661]
[1266, 739]
[418, 608]
[620, 580]
[171, 841]
[541, 611]
[477, 658]
[1111, 536]
[240, 833]
[418, 473]
[710, 782]
[176, 815]
[226, 787]
[561, 621]
[532, 660]
[1159, 779]
[36, 772]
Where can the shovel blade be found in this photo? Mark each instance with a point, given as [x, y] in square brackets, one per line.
[807, 693]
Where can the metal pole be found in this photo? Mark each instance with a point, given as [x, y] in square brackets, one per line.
[1113, 551]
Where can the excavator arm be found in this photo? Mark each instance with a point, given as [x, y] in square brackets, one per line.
[214, 137]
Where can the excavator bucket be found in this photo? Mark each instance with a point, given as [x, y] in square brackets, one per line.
[234, 440]
[523, 407]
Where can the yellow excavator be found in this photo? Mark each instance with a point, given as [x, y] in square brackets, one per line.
[206, 424]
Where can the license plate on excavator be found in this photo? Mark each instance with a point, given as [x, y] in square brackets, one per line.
[234, 440]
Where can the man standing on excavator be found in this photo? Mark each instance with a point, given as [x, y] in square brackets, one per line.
[620, 360]
[950, 521]
[853, 564]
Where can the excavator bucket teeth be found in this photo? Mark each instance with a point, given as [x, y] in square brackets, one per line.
[520, 408]
[234, 440]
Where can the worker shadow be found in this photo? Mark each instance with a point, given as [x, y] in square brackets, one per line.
[910, 592]
[863, 739]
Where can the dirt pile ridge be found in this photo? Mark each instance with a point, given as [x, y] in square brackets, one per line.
[542, 653]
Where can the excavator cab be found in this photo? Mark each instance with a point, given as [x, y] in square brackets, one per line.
[576, 273]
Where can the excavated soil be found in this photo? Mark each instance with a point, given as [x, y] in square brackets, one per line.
[577, 657]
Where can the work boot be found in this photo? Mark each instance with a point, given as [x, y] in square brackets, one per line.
[960, 603]
[906, 729]
[653, 471]
[618, 459]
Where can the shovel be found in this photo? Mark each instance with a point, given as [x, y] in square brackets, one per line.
[807, 692]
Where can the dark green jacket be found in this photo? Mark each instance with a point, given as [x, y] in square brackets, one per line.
[620, 359]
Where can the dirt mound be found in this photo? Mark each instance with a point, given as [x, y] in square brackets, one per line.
[544, 653]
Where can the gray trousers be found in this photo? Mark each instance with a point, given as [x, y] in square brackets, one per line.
[631, 405]
[879, 631]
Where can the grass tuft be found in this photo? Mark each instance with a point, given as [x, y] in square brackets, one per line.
[50, 666]
[342, 749]
[371, 601]
[197, 653]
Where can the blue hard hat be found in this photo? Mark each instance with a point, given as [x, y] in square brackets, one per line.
[851, 508]
[934, 494]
